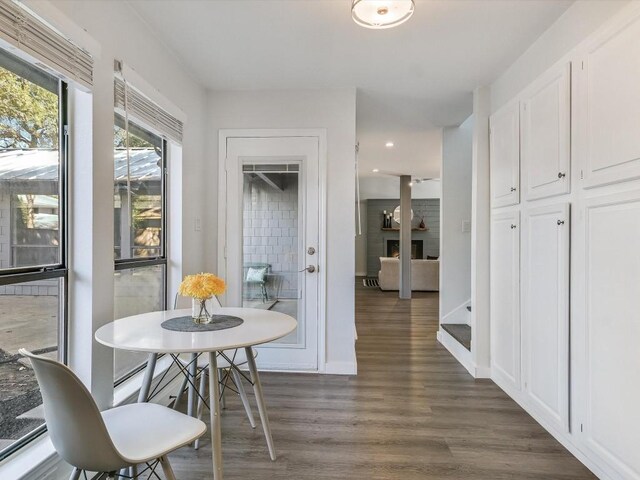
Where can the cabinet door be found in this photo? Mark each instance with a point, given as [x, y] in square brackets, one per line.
[611, 423]
[505, 156]
[545, 135]
[545, 311]
[610, 106]
[505, 299]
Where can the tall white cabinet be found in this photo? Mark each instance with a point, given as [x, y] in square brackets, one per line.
[565, 253]
[505, 308]
[545, 311]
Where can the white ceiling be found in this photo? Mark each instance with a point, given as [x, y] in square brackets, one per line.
[410, 79]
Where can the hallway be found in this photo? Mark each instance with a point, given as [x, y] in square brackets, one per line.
[411, 413]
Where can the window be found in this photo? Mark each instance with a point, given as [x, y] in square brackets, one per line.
[139, 215]
[33, 259]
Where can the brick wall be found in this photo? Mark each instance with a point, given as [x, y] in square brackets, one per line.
[270, 222]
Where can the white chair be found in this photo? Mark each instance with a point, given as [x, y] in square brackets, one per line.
[107, 442]
[228, 371]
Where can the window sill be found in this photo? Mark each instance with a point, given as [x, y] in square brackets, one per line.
[39, 459]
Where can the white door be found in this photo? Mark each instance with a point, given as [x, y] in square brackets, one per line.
[505, 156]
[610, 390]
[609, 106]
[545, 311]
[271, 236]
[505, 299]
[545, 134]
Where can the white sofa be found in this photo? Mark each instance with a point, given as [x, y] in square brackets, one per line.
[425, 274]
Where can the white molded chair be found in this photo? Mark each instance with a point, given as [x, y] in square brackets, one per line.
[126, 436]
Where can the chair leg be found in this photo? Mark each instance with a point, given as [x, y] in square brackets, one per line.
[75, 475]
[223, 403]
[243, 396]
[166, 468]
[180, 393]
[202, 391]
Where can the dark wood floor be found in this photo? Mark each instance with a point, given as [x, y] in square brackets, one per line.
[411, 413]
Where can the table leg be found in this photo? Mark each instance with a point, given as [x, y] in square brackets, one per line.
[262, 408]
[148, 378]
[214, 412]
[193, 372]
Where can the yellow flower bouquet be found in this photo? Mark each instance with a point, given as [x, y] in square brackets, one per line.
[201, 287]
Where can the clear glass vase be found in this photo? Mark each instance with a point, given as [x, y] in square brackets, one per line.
[201, 310]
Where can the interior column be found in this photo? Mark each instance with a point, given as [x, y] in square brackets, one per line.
[405, 236]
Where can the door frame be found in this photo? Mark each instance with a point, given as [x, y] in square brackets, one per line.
[321, 135]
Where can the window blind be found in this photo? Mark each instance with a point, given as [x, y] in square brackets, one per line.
[37, 39]
[147, 112]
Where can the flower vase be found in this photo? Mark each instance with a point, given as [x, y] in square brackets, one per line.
[201, 309]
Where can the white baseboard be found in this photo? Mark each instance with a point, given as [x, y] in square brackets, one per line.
[461, 354]
[341, 368]
[566, 439]
[459, 315]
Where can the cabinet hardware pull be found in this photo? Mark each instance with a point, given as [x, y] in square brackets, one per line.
[561, 175]
[513, 226]
[513, 189]
[560, 222]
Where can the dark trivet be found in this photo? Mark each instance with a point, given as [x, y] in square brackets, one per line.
[186, 324]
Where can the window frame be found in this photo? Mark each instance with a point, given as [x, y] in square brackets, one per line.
[142, 262]
[60, 270]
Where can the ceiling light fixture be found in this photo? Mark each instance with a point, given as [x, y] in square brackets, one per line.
[388, 144]
[375, 170]
[380, 14]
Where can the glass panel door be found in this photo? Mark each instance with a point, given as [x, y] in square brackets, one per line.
[271, 196]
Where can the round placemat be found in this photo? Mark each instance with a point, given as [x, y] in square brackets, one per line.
[186, 324]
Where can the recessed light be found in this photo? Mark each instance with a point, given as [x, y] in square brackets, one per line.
[388, 144]
[411, 184]
[375, 170]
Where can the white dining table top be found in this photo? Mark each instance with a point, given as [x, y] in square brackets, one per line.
[144, 333]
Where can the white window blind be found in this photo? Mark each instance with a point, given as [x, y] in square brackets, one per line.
[37, 39]
[140, 108]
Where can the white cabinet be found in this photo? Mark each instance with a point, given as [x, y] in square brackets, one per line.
[611, 389]
[609, 106]
[545, 112]
[505, 156]
[545, 312]
[505, 299]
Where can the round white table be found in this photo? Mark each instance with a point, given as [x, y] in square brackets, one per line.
[144, 333]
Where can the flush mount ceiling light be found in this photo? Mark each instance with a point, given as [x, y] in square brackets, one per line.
[388, 144]
[381, 13]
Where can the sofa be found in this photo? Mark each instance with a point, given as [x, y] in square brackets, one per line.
[425, 274]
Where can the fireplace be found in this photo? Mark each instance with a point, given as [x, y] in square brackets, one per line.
[393, 249]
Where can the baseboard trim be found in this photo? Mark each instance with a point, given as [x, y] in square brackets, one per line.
[461, 354]
[341, 368]
[564, 438]
[460, 314]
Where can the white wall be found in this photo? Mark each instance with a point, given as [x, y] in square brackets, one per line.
[334, 110]
[384, 187]
[576, 23]
[455, 205]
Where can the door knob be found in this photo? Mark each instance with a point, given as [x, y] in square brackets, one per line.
[513, 189]
[561, 175]
[310, 269]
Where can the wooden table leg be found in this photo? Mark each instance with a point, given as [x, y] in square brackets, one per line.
[214, 412]
[262, 408]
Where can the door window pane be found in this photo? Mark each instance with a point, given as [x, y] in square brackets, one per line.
[137, 290]
[138, 192]
[270, 241]
[29, 318]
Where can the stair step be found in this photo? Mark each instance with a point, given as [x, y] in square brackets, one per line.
[459, 331]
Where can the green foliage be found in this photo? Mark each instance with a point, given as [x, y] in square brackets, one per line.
[120, 139]
[28, 114]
